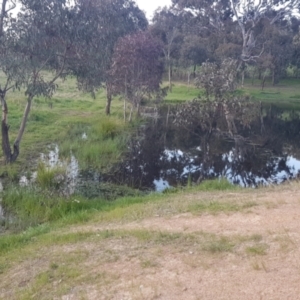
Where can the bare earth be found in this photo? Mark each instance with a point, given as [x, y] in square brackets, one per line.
[252, 253]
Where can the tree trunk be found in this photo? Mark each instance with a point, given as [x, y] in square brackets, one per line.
[108, 99]
[253, 75]
[263, 82]
[124, 110]
[194, 71]
[229, 120]
[11, 156]
[262, 126]
[4, 129]
[170, 77]
[243, 77]
[138, 108]
[130, 114]
[259, 74]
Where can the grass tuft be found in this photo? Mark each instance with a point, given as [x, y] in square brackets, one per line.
[218, 244]
[221, 184]
[258, 249]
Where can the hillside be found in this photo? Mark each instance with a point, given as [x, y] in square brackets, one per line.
[237, 244]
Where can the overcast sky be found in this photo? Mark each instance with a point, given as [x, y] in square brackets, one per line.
[149, 6]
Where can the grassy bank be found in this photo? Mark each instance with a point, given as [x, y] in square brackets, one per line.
[41, 213]
[91, 257]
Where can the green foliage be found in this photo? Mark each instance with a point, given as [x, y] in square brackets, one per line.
[258, 249]
[50, 177]
[10, 172]
[136, 71]
[221, 184]
[101, 145]
[181, 93]
[218, 244]
[108, 128]
[107, 191]
[12, 241]
[218, 80]
[29, 206]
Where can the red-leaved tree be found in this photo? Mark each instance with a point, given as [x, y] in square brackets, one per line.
[137, 68]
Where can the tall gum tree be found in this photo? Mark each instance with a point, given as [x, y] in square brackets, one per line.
[167, 27]
[248, 15]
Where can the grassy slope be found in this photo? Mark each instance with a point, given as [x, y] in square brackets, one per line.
[55, 260]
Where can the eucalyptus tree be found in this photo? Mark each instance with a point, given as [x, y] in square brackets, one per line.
[59, 37]
[38, 39]
[192, 54]
[17, 64]
[278, 50]
[137, 68]
[249, 14]
[296, 53]
[167, 26]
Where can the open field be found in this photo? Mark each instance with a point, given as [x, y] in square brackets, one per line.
[235, 244]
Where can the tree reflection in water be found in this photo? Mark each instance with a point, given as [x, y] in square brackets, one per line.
[197, 141]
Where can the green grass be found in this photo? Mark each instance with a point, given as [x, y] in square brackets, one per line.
[33, 205]
[48, 178]
[215, 207]
[182, 92]
[258, 249]
[218, 244]
[63, 259]
[285, 94]
[221, 184]
[60, 257]
[55, 123]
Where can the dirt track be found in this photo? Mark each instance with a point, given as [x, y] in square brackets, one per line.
[263, 264]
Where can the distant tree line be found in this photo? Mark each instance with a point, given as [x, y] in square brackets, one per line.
[262, 35]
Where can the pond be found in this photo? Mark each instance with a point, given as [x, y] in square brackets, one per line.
[164, 153]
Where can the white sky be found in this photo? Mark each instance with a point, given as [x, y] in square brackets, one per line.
[149, 6]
